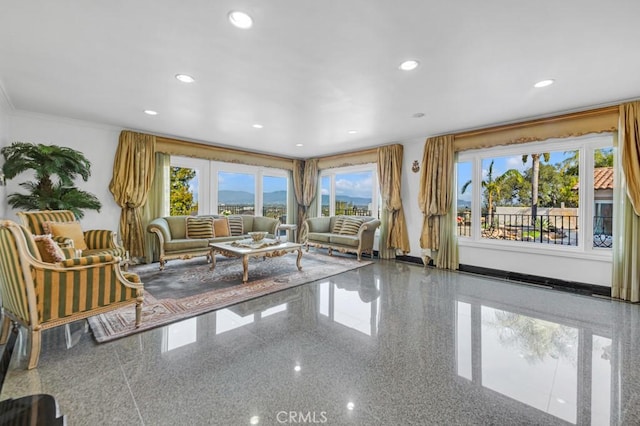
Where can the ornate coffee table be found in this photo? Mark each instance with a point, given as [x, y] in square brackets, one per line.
[248, 248]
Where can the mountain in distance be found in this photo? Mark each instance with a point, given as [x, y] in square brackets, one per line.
[244, 197]
[356, 201]
[275, 197]
[280, 197]
[235, 197]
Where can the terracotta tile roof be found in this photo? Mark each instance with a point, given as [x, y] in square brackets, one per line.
[602, 178]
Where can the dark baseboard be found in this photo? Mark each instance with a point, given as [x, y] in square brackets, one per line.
[410, 259]
[554, 283]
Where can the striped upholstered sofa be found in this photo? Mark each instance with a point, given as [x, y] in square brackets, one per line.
[40, 295]
[89, 242]
[175, 242]
[346, 234]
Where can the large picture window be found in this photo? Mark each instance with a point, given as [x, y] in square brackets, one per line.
[349, 191]
[209, 187]
[557, 193]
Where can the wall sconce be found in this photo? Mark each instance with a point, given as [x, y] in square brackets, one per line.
[415, 168]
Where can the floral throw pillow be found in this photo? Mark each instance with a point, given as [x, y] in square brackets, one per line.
[50, 252]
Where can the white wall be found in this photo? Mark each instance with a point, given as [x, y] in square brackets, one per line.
[410, 188]
[5, 110]
[97, 142]
[578, 267]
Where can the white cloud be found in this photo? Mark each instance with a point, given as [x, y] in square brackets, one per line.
[355, 188]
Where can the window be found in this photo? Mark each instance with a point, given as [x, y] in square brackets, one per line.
[186, 178]
[603, 197]
[349, 191]
[274, 197]
[556, 193]
[232, 189]
[236, 193]
[465, 191]
[325, 196]
[184, 193]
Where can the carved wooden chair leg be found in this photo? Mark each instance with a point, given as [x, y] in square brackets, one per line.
[34, 348]
[6, 327]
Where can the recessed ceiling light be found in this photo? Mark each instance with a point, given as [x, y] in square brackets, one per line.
[543, 83]
[254, 420]
[297, 368]
[352, 132]
[185, 78]
[150, 112]
[240, 20]
[299, 144]
[409, 65]
[257, 126]
[351, 406]
[418, 115]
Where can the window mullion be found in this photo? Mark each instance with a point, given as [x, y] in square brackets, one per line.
[476, 200]
[258, 196]
[587, 196]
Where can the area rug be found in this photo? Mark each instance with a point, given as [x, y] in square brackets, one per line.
[189, 288]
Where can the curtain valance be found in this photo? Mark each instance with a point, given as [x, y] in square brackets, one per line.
[599, 120]
[348, 159]
[217, 153]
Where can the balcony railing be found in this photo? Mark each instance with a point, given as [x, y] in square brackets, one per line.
[348, 211]
[274, 211]
[278, 211]
[544, 229]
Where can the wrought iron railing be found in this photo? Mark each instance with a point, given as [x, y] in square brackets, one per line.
[273, 211]
[544, 229]
[348, 211]
[277, 211]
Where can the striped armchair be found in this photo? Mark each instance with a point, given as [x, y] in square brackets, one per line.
[98, 241]
[41, 295]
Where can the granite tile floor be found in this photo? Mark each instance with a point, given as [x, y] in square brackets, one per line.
[387, 344]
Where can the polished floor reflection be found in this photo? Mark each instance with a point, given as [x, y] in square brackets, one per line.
[387, 344]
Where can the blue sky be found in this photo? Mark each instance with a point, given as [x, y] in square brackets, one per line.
[353, 184]
[246, 182]
[242, 182]
[500, 165]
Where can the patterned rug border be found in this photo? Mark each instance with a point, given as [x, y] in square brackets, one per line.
[160, 312]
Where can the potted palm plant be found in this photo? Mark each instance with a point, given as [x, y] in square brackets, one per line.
[55, 168]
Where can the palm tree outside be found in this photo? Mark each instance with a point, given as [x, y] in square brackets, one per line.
[493, 188]
[535, 176]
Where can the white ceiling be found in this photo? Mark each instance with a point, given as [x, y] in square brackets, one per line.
[310, 71]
